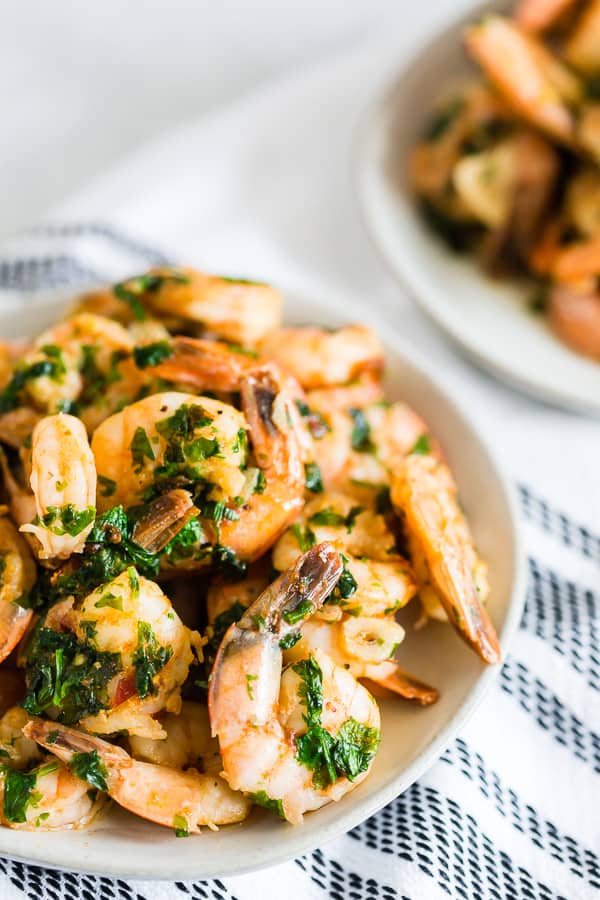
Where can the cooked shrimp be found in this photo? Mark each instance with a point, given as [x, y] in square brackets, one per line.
[365, 646]
[136, 448]
[63, 481]
[470, 115]
[223, 595]
[170, 438]
[582, 48]
[234, 309]
[167, 796]
[265, 720]
[188, 742]
[578, 261]
[379, 580]
[17, 576]
[538, 15]
[359, 443]
[18, 752]
[532, 81]
[582, 204]
[319, 358]
[128, 633]
[588, 130]
[47, 798]
[446, 563]
[16, 426]
[574, 314]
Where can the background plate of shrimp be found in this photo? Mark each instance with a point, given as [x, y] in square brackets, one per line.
[478, 174]
[241, 602]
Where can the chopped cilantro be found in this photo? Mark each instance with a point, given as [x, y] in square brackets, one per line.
[249, 688]
[287, 642]
[421, 446]
[68, 519]
[52, 367]
[293, 616]
[66, 677]
[141, 449]
[261, 798]
[306, 539]
[313, 479]
[328, 516]
[349, 753]
[148, 659]
[315, 422]
[107, 486]
[19, 793]
[152, 354]
[360, 437]
[134, 289]
[180, 826]
[89, 767]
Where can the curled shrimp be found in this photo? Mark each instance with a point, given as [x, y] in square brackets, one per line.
[188, 742]
[63, 481]
[210, 456]
[170, 438]
[38, 793]
[183, 800]
[265, 720]
[379, 580]
[445, 561]
[319, 358]
[112, 661]
[582, 47]
[365, 646]
[538, 15]
[17, 576]
[48, 797]
[234, 309]
[530, 79]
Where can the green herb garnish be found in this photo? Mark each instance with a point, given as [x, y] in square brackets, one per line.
[89, 767]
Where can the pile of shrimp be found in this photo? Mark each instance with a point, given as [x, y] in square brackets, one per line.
[209, 524]
[509, 165]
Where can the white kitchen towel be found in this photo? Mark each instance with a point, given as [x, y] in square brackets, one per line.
[264, 189]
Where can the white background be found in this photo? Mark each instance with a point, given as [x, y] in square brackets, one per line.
[85, 82]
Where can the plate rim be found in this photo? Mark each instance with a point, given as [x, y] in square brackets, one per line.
[396, 263]
[347, 306]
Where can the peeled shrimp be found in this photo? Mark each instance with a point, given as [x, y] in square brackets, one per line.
[63, 481]
[445, 560]
[17, 576]
[383, 580]
[132, 618]
[574, 314]
[365, 647]
[234, 309]
[167, 796]
[532, 81]
[248, 689]
[132, 448]
[51, 798]
[319, 358]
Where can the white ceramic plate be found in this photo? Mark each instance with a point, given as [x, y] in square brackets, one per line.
[488, 319]
[412, 738]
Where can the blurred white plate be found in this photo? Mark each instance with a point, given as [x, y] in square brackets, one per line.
[488, 319]
[412, 738]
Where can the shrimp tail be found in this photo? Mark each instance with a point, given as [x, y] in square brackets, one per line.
[404, 685]
[203, 365]
[276, 614]
[65, 742]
